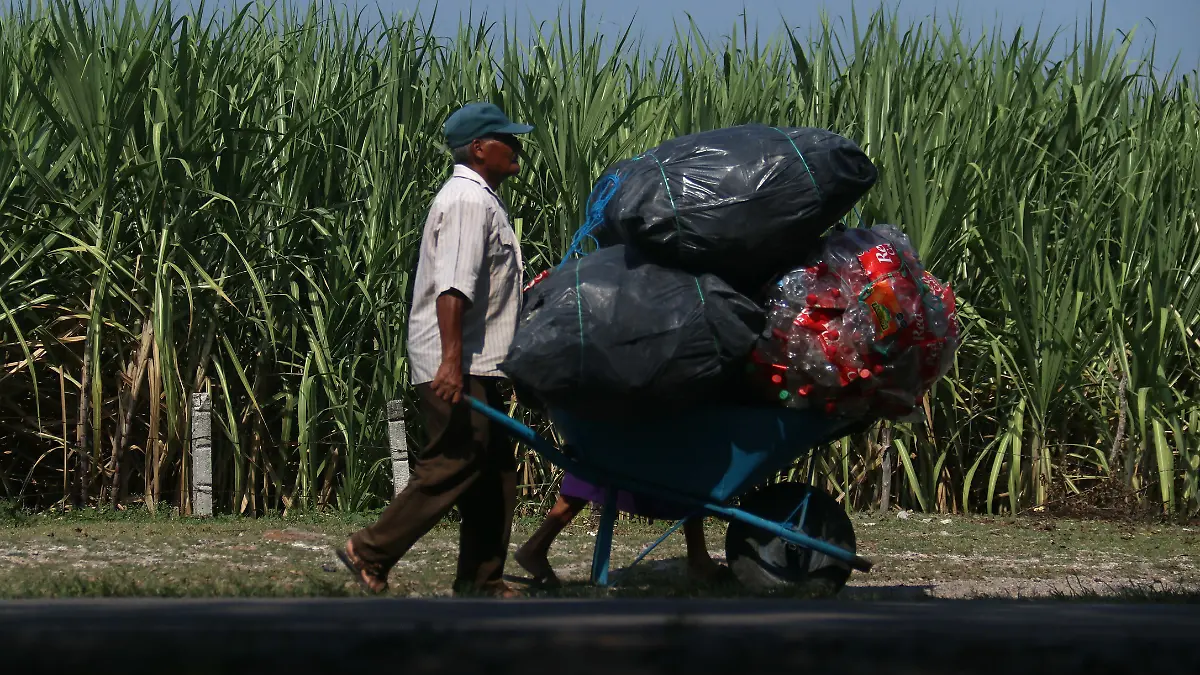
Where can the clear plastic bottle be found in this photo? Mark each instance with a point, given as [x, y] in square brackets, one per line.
[864, 330]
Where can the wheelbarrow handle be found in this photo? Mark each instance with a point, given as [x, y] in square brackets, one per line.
[521, 431]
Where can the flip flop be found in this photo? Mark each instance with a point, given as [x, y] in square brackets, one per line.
[723, 576]
[357, 570]
[726, 576]
[495, 590]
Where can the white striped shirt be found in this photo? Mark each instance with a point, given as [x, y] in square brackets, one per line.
[469, 246]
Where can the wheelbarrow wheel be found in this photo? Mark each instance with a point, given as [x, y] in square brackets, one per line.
[764, 561]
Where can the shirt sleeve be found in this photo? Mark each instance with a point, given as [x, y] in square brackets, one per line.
[461, 246]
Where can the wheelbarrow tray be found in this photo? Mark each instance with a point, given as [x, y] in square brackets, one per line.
[701, 458]
[710, 454]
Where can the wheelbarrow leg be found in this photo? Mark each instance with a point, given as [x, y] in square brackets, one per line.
[602, 553]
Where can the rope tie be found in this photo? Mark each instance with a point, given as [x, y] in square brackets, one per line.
[598, 200]
[808, 169]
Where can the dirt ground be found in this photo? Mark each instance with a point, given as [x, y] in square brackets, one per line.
[916, 556]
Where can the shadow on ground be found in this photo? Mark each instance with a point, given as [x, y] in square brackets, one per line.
[667, 578]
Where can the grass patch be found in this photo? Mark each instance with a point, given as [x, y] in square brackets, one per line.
[134, 553]
[202, 582]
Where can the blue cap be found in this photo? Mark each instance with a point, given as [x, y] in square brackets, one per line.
[479, 119]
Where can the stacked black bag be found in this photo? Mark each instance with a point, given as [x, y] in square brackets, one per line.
[744, 203]
[658, 318]
[613, 333]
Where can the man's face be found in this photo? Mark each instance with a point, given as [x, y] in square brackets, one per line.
[499, 154]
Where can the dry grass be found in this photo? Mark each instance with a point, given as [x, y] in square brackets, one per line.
[134, 554]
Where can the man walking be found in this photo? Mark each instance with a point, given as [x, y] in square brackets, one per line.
[464, 316]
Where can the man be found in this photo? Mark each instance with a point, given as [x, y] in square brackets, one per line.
[464, 314]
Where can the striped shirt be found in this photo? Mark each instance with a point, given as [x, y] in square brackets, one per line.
[469, 246]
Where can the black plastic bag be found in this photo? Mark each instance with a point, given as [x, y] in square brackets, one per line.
[744, 203]
[612, 334]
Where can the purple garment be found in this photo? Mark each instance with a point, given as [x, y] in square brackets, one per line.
[627, 502]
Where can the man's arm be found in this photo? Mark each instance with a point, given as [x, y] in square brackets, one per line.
[448, 382]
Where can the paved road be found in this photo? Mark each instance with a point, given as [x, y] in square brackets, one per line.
[619, 637]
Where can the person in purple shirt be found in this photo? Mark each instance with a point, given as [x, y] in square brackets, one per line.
[576, 493]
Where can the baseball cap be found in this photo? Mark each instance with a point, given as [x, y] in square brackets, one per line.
[475, 120]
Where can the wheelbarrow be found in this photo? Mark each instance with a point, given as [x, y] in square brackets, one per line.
[705, 458]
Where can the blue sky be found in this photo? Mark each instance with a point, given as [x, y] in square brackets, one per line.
[1175, 23]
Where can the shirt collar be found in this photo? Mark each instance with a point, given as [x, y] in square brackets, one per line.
[461, 171]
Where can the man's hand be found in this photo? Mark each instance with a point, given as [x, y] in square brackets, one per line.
[448, 382]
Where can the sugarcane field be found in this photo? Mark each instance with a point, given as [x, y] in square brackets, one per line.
[587, 338]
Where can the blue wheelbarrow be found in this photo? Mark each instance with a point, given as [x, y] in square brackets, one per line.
[780, 535]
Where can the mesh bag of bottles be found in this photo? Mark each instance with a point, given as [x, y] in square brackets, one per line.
[861, 331]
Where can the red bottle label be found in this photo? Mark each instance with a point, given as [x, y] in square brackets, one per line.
[880, 260]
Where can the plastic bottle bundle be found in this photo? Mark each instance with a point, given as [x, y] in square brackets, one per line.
[862, 330]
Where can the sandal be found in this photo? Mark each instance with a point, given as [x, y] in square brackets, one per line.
[366, 575]
[496, 590]
[719, 576]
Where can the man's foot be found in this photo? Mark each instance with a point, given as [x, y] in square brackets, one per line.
[368, 576]
[709, 572]
[498, 590]
[538, 567]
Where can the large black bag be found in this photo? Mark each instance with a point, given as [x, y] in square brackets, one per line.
[745, 203]
[611, 334]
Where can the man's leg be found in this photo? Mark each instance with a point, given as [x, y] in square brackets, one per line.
[700, 564]
[446, 468]
[487, 505]
[534, 554]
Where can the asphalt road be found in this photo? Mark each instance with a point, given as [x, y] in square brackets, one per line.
[623, 637]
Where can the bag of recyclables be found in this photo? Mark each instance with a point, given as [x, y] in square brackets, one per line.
[745, 203]
[614, 334]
